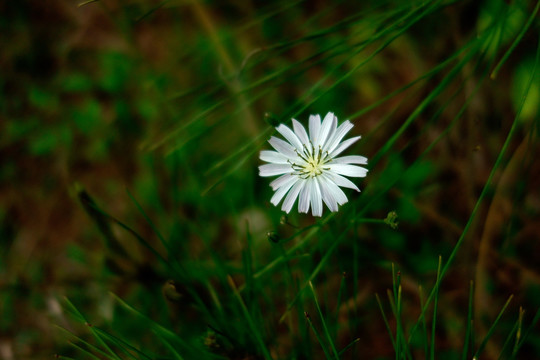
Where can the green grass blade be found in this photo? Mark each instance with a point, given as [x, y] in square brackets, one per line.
[342, 288]
[313, 274]
[434, 320]
[386, 324]
[518, 333]
[127, 348]
[351, 344]
[318, 336]
[112, 354]
[469, 330]
[531, 328]
[325, 327]
[516, 40]
[486, 187]
[85, 343]
[169, 346]
[492, 329]
[84, 351]
[255, 331]
[509, 338]
[424, 325]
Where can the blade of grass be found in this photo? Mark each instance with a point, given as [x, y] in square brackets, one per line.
[123, 345]
[487, 186]
[531, 327]
[156, 231]
[318, 336]
[518, 333]
[338, 303]
[254, 329]
[92, 356]
[325, 327]
[93, 331]
[508, 341]
[516, 41]
[86, 343]
[313, 274]
[154, 326]
[386, 324]
[435, 302]
[424, 325]
[169, 346]
[351, 344]
[492, 329]
[469, 331]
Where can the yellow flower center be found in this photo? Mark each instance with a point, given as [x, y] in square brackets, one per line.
[312, 164]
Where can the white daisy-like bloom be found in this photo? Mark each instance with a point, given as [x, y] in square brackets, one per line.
[309, 165]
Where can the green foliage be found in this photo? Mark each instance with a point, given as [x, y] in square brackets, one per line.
[174, 101]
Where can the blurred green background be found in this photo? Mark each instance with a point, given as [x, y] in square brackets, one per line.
[155, 111]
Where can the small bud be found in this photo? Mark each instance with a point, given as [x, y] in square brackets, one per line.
[271, 119]
[284, 220]
[170, 291]
[273, 236]
[210, 340]
[391, 220]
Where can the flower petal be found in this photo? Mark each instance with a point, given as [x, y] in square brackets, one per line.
[341, 181]
[291, 196]
[314, 127]
[351, 159]
[290, 136]
[300, 131]
[282, 147]
[344, 145]
[282, 180]
[327, 196]
[329, 123]
[274, 169]
[273, 157]
[335, 191]
[316, 199]
[348, 170]
[338, 135]
[282, 190]
[305, 195]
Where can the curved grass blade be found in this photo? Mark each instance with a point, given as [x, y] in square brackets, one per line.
[487, 186]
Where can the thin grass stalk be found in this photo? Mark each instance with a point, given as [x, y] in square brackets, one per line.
[484, 192]
[386, 324]
[469, 331]
[318, 337]
[424, 325]
[325, 327]
[516, 41]
[254, 329]
[435, 303]
[492, 329]
[518, 333]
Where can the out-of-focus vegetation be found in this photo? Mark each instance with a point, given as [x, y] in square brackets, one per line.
[129, 140]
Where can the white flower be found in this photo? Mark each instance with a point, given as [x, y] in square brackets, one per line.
[309, 166]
